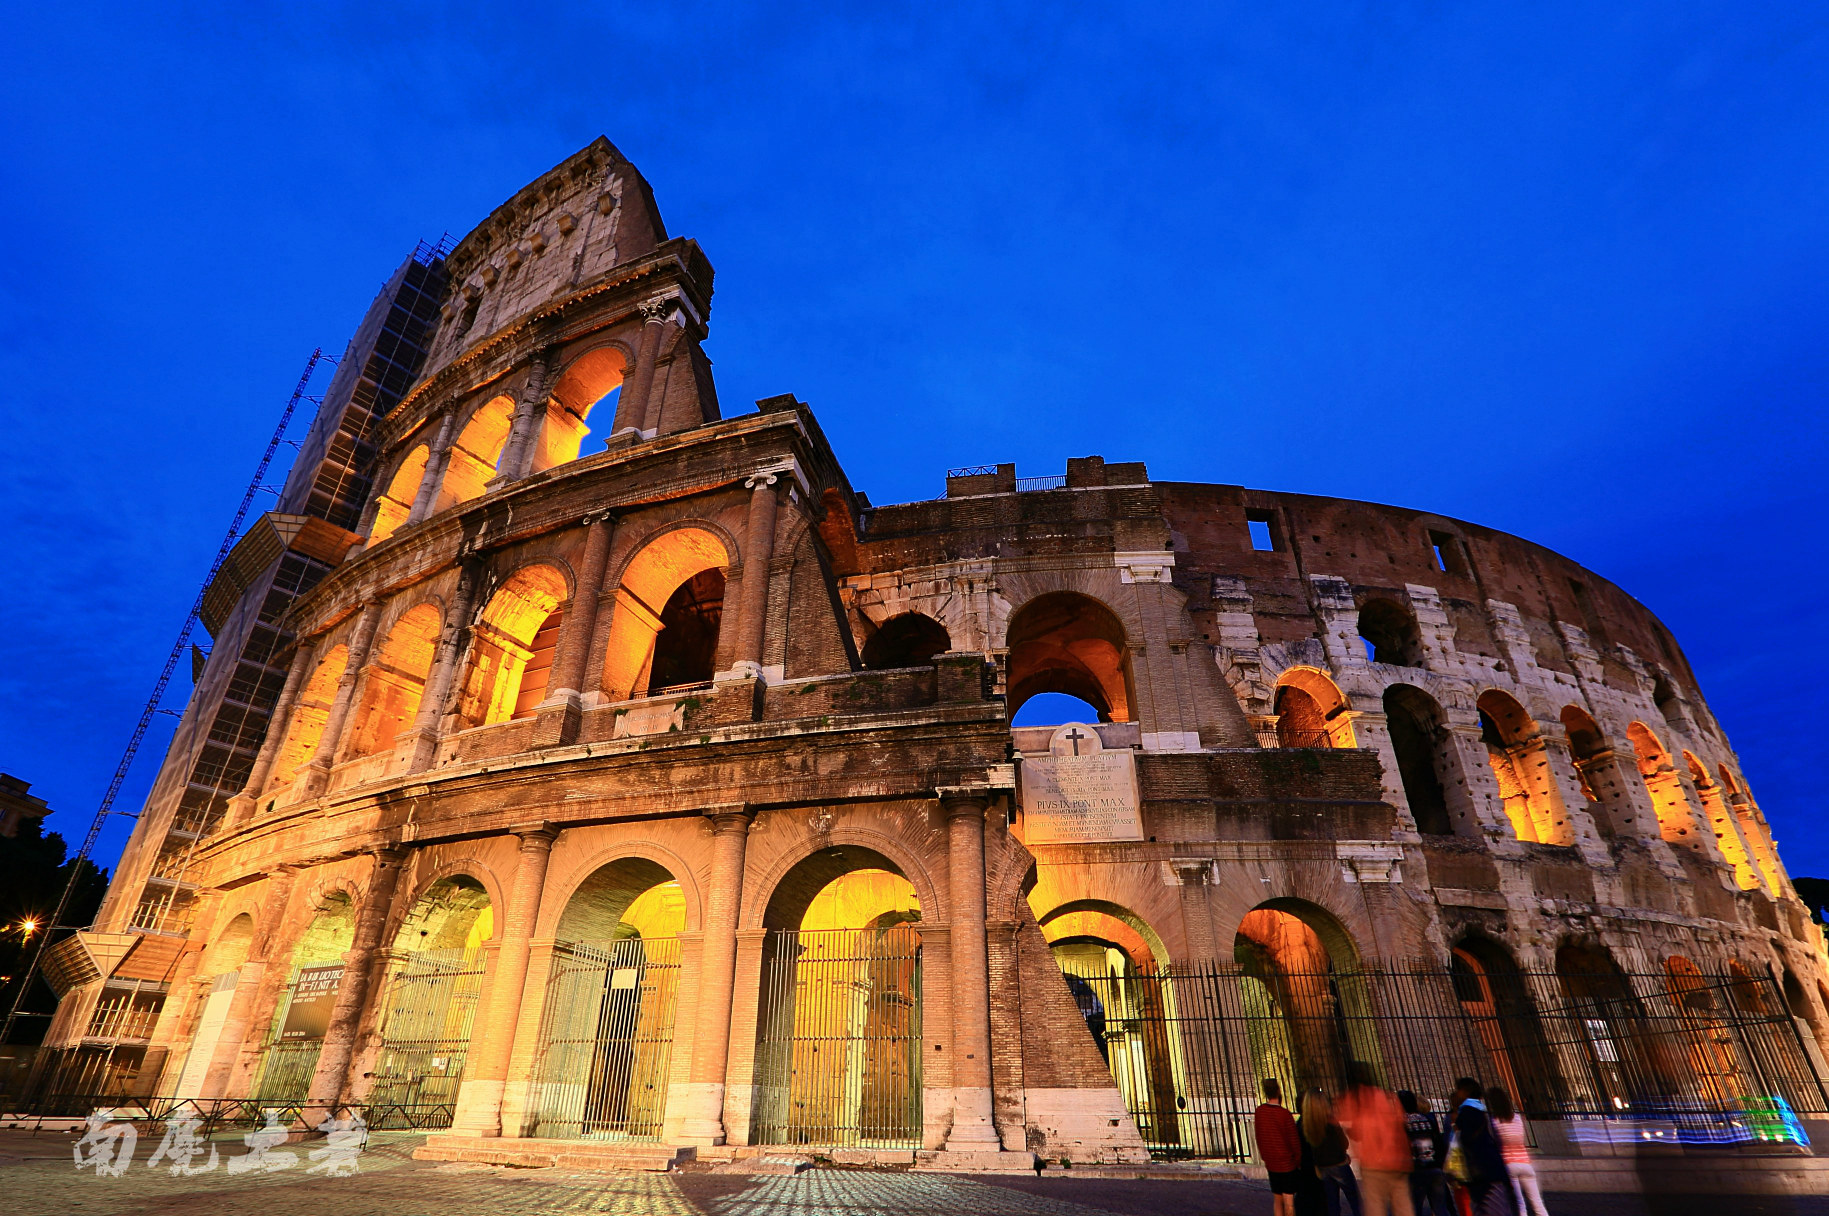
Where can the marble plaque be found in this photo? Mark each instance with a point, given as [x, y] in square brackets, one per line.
[1079, 793]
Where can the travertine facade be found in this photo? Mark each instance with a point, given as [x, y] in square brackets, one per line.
[588, 637]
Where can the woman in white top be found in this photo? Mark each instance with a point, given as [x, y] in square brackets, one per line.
[1508, 1126]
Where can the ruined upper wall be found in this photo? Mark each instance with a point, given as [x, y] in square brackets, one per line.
[572, 225]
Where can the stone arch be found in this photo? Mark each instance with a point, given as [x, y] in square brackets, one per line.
[1669, 704]
[1676, 818]
[1720, 815]
[476, 451]
[1515, 753]
[650, 856]
[310, 713]
[760, 910]
[1311, 711]
[660, 575]
[230, 948]
[470, 870]
[1300, 984]
[1067, 641]
[581, 391]
[1422, 743]
[597, 908]
[396, 502]
[1495, 998]
[1105, 920]
[452, 913]
[511, 646]
[394, 680]
[1390, 632]
[908, 639]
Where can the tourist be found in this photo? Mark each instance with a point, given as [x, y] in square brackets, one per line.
[1509, 1126]
[1474, 1159]
[1279, 1146]
[1428, 1185]
[1374, 1124]
[1327, 1153]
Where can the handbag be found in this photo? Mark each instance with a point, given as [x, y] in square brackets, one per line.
[1456, 1166]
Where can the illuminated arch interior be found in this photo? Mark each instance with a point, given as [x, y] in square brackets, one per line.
[1067, 642]
[1311, 710]
[1721, 820]
[453, 914]
[511, 647]
[230, 949]
[397, 502]
[588, 388]
[1676, 822]
[628, 897]
[476, 453]
[395, 682]
[649, 616]
[1515, 752]
[1299, 964]
[310, 712]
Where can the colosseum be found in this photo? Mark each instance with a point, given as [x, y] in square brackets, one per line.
[592, 774]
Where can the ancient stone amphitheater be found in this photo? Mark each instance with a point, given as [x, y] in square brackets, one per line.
[597, 776]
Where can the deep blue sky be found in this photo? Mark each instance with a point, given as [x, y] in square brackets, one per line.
[1561, 272]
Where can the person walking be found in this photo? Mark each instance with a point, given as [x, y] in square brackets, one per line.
[1428, 1185]
[1374, 1124]
[1514, 1146]
[1474, 1159]
[1327, 1153]
[1279, 1147]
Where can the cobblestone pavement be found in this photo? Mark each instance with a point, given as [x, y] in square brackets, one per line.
[38, 1178]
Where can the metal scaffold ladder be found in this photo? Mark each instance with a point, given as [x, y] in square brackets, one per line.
[153, 703]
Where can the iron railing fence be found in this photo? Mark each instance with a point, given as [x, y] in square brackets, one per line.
[606, 1040]
[289, 1056]
[429, 1009]
[838, 1039]
[218, 1114]
[1190, 1046]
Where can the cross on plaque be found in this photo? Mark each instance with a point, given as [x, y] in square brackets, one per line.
[1074, 736]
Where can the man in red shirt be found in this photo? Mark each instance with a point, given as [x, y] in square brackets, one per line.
[1279, 1146]
[1374, 1123]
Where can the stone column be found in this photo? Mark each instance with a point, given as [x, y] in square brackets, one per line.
[558, 715]
[252, 1011]
[1194, 874]
[242, 806]
[524, 431]
[632, 406]
[332, 1071]
[973, 1129]
[758, 553]
[317, 773]
[437, 461]
[418, 746]
[479, 1098]
[704, 1120]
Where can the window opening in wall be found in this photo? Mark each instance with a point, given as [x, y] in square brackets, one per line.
[1447, 549]
[1263, 536]
[1054, 709]
[1390, 634]
[539, 666]
[908, 639]
[685, 651]
[1417, 738]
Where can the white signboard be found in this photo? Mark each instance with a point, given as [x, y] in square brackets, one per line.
[1079, 793]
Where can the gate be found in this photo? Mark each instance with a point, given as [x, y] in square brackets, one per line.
[839, 1039]
[296, 1034]
[430, 1006]
[606, 1040]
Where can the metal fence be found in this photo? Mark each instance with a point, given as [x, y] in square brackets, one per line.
[1189, 1047]
[429, 1007]
[606, 1040]
[216, 1114]
[839, 1039]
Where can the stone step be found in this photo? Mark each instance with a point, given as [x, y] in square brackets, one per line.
[541, 1154]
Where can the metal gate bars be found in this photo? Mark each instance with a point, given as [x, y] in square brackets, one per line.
[606, 1040]
[425, 1032]
[839, 1039]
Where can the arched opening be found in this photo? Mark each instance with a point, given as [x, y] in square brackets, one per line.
[1623, 1059]
[1721, 820]
[1758, 839]
[1664, 696]
[1067, 642]
[606, 1035]
[1747, 989]
[396, 501]
[1515, 752]
[1306, 1008]
[477, 452]
[667, 564]
[1311, 711]
[838, 1034]
[428, 1003]
[310, 712]
[1709, 1060]
[686, 649]
[1676, 821]
[589, 389]
[302, 1015]
[1390, 633]
[1493, 995]
[1420, 739]
[1593, 767]
[511, 648]
[395, 682]
[910, 639]
[1116, 967]
[220, 968]
[1053, 709]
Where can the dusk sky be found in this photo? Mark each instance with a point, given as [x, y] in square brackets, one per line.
[1558, 270]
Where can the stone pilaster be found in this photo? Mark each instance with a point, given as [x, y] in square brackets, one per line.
[418, 747]
[362, 640]
[559, 714]
[973, 1130]
[331, 1076]
[703, 1121]
[242, 806]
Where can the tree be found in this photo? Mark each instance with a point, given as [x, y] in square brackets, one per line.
[33, 871]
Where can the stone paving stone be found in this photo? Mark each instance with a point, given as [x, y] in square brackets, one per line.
[857, 1193]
